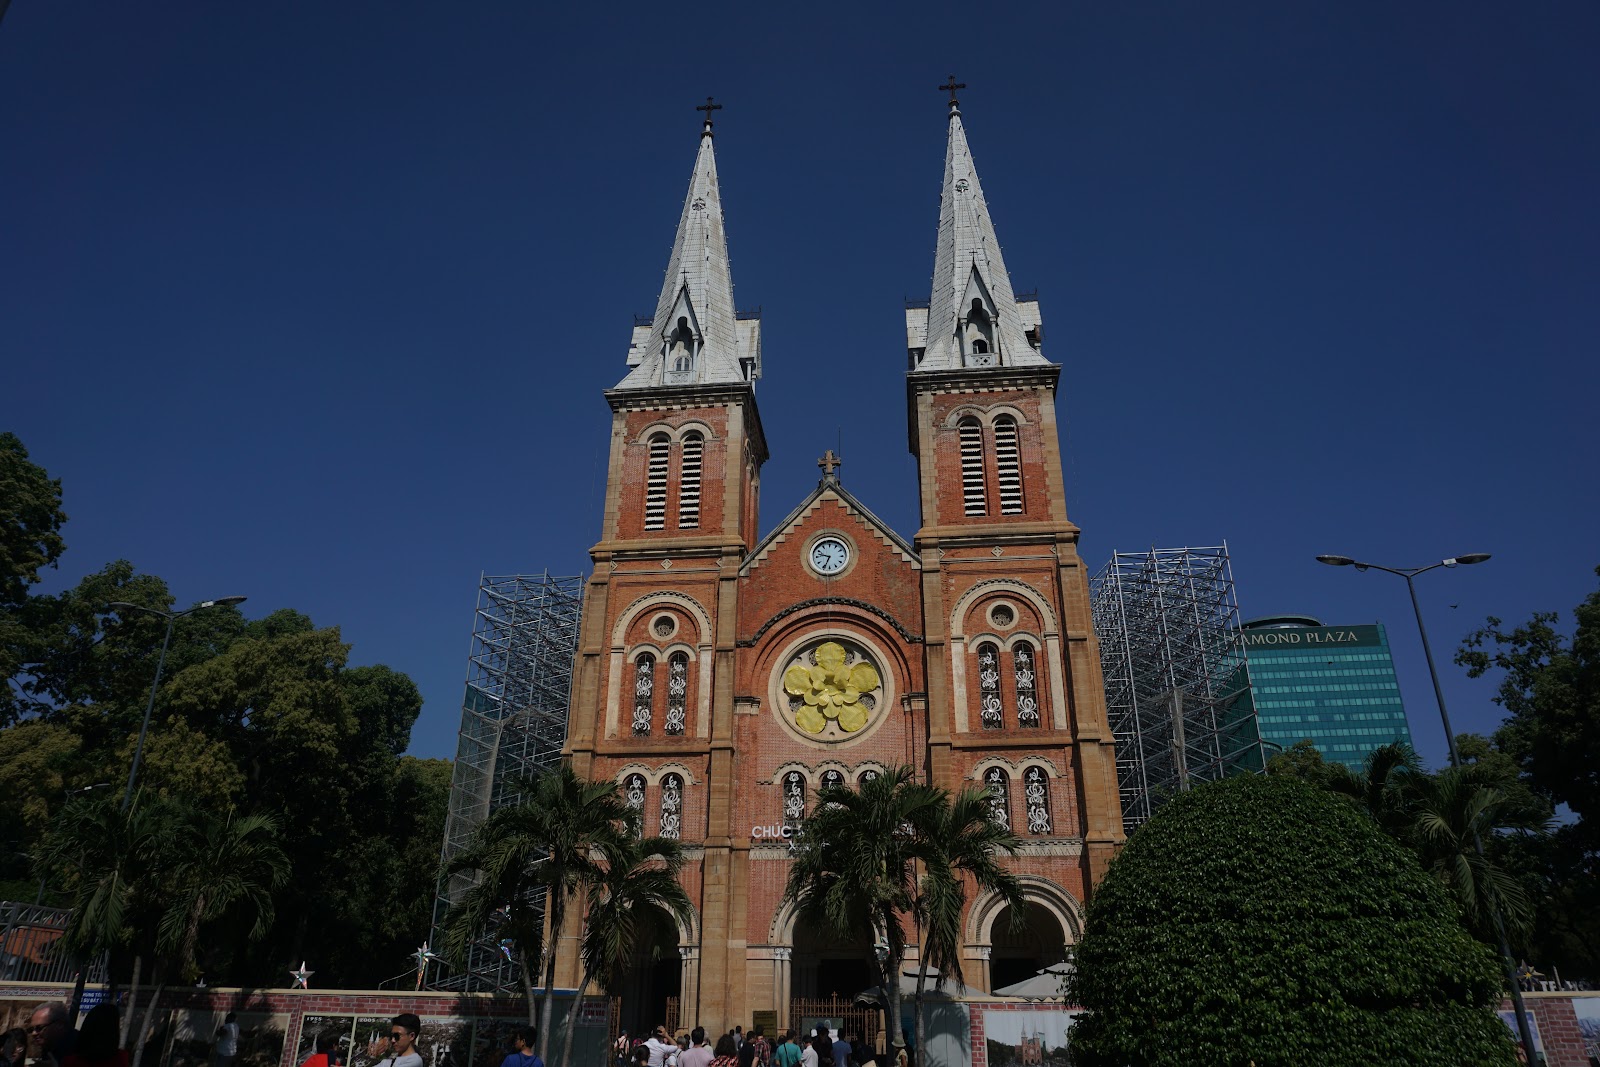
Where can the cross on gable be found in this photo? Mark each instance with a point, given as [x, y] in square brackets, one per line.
[829, 462]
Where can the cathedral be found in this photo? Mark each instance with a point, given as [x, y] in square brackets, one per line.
[723, 678]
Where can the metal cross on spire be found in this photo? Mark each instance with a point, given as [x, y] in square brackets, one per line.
[708, 107]
[951, 88]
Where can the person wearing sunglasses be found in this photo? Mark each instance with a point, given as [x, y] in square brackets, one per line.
[50, 1033]
[399, 1049]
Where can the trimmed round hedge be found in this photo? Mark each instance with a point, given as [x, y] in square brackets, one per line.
[1259, 920]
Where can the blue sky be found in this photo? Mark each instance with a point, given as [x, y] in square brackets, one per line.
[315, 302]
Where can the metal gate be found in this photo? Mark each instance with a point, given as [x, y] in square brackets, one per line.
[806, 1013]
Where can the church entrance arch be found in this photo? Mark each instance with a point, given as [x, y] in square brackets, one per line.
[826, 965]
[1015, 954]
[654, 983]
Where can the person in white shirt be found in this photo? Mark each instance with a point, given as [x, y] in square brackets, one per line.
[227, 1042]
[659, 1045]
[808, 1055]
[401, 1044]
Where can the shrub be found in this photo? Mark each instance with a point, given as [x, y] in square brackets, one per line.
[1260, 920]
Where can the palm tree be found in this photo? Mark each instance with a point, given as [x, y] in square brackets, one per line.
[894, 852]
[103, 853]
[1453, 811]
[963, 841]
[639, 902]
[212, 864]
[1441, 817]
[1386, 786]
[854, 868]
[106, 856]
[548, 847]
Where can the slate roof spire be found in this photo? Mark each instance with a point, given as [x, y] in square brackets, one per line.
[968, 266]
[695, 337]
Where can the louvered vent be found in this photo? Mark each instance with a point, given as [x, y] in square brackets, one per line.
[655, 489]
[972, 490]
[1008, 465]
[689, 481]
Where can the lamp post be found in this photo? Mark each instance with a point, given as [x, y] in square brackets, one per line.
[1409, 574]
[171, 617]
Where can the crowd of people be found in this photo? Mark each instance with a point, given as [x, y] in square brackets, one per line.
[50, 1041]
[819, 1047]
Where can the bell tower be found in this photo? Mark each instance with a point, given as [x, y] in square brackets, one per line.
[1012, 662]
[653, 691]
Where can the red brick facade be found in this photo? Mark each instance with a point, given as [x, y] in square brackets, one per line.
[689, 629]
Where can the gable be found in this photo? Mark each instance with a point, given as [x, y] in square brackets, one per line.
[802, 521]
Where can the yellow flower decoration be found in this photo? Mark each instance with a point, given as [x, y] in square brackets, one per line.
[831, 690]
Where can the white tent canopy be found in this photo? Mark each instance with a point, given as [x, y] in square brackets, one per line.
[1045, 985]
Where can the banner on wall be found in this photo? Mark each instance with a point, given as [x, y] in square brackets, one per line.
[1028, 1037]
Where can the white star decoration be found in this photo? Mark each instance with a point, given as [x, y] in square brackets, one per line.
[301, 977]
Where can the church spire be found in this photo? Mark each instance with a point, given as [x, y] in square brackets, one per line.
[973, 318]
[695, 337]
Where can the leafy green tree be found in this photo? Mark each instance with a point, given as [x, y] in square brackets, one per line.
[251, 714]
[30, 540]
[30, 520]
[1303, 760]
[1550, 688]
[548, 847]
[639, 901]
[1549, 685]
[1259, 919]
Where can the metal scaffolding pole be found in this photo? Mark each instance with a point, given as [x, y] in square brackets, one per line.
[1177, 685]
[513, 724]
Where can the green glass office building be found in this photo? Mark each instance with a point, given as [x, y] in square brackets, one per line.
[1332, 684]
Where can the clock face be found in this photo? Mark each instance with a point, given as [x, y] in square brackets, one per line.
[829, 555]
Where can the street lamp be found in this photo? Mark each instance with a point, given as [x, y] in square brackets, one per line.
[171, 617]
[1410, 573]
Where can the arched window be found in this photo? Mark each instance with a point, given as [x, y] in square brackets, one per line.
[999, 796]
[1022, 668]
[832, 779]
[689, 480]
[655, 483]
[974, 494]
[1008, 465]
[869, 775]
[980, 335]
[680, 347]
[644, 693]
[677, 691]
[1036, 792]
[794, 798]
[989, 706]
[672, 806]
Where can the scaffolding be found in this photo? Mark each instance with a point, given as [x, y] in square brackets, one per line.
[1177, 685]
[513, 724]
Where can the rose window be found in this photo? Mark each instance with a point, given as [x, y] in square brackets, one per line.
[833, 689]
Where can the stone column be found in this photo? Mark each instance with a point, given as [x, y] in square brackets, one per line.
[688, 985]
[782, 982]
